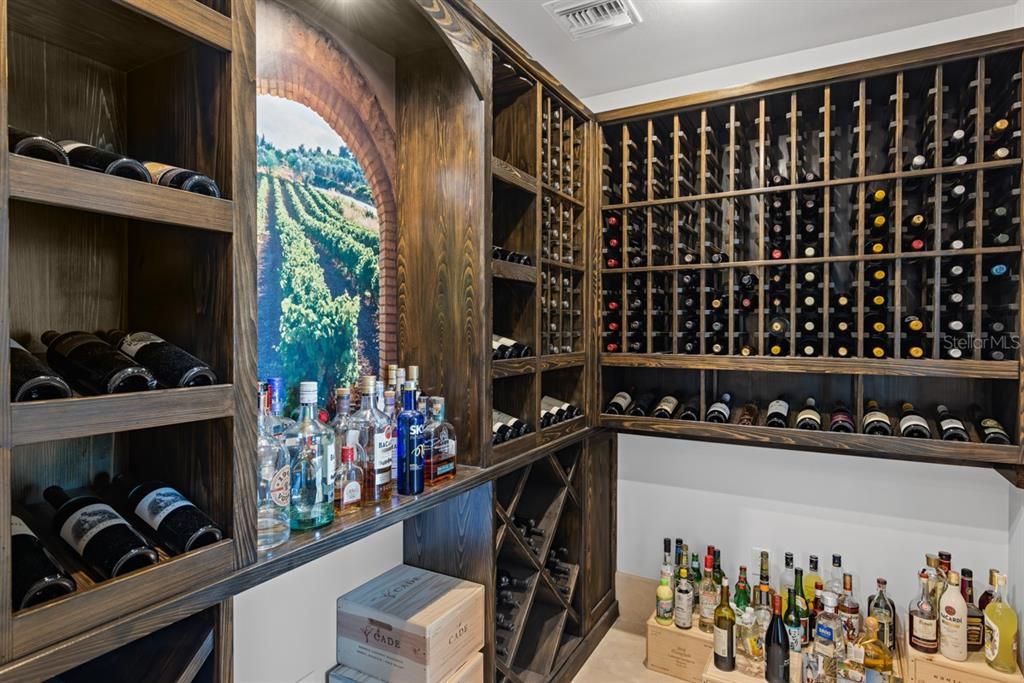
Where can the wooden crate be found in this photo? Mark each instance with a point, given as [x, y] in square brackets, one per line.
[925, 668]
[676, 652]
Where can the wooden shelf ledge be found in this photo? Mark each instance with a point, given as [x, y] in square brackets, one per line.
[68, 418]
[44, 182]
[190, 17]
[507, 173]
[552, 263]
[932, 450]
[513, 367]
[981, 369]
[562, 196]
[558, 361]
[506, 270]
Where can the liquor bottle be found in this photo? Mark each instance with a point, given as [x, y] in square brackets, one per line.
[841, 420]
[778, 413]
[717, 573]
[310, 445]
[176, 522]
[32, 379]
[924, 627]
[1001, 631]
[791, 620]
[708, 597]
[803, 607]
[953, 621]
[809, 418]
[503, 347]
[92, 158]
[811, 577]
[829, 639]
[348, 491]
[666, 407]
[277, 423]
[883, 610]
[663, 603]
[776, 646]
[273, 489]
[171, 365]
[849, 610]
[990, 592]
[912, 423]
[975, 617]
[788, 578]
[98, 534]
[725, 632]
[31, 145]
[742, 598]
[682, 613]
[376, 440]
[875, 420]
[182, 179]
[439, 444]
[409, 446]
[620, 404]
[94, 366]
[35, 575]
[835, 581]
[720, 411]
[877, 653]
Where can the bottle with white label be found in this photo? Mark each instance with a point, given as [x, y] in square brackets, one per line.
[912, 423]
[778, 413]
[683, 611]
[35, 575]
[953, 620]
[924, 621]
[98, 534]
[310, 445]
[829, 638]
[273, 481]
[176, 522]
[876, 421]
[951, 427]
[32, 379]
[348, 493]
[720, 411]
[182, 179]
[172, 366]
[376, 437]
[93, 365]
[619, 404]
[809, 417]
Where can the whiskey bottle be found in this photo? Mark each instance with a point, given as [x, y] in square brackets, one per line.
[809, 417]
[883, 609]
[975, 617]
[778, 413]
[93, 365]
[720, 411]
[27, 144]
[951, 428]
[172, 366]
[92, 158]
[875, 421]
[32, 379]
[35, 575]
[619, 404]
[912, 424]
[100, 536]
[440, 445]
[178, 524]
[924, 625]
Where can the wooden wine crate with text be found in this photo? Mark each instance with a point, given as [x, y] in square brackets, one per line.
[471, 671]
[925, 668]
[676, 652]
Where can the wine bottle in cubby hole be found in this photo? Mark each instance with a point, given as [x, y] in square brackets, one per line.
[503, 348]
[689, 345]
[620, 403]
[958, 269]
[28, 144]
[955, 193]
[105, 161]
[808, 345]
[36, 576]
[642, 405]
[989, 429]
[809, 417]
[875, 420]
[718, 344]
[93, 365]
[914, 232]
[951, 427]
[182, 179]
[98, 534]
[171, 365]
[777, 414]
[843, 346]
[998, 270]
[778, 345]
[509, 582]
[841, 420]
[561, 410]
[177, 523]
[747, 414]
[876, 345]
[32, 379]
[720, 411]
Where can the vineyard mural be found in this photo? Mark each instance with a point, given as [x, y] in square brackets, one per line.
[325, 211]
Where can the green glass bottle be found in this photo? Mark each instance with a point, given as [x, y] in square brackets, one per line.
[742, 590]
[695, 573]
[717, 575]
[791, 620]
[802, 610]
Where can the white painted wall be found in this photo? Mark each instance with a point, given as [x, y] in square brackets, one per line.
[1016, 549]
[285, 628]
[881, 515]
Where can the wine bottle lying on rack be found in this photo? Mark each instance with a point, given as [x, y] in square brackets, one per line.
[35, 575]
[32, 379]
[171, 365]
[100, 536]
[502, 254]
[503, 348]
[94, 366]
[27, 144]
[182, 179]
[178, 524]
[92, 158]
[554, 410]
[506, 427]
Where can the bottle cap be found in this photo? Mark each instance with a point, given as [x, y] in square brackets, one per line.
[341, 391]
[952, 578]
[709, 562]
[966, 573]
[389, 396]
[682, 572]
[829, 599]
[368, 384]
[992, 575]
[414, 373]
[307, 392]
[945, 555]
[837, 560]
[348, 453]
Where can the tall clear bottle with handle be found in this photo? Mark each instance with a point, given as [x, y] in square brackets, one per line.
[310, 445]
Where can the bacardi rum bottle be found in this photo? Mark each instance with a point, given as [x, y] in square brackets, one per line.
[376, 437]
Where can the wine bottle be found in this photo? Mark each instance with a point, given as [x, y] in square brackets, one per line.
[719, 412]
[100, 536]
[666, 407]
[92, 158]
[690, 411]
[35, 575]
[619, 404]
[503, 347]
[841, 420]
[778, 413]
[27, 144]
[93, 365]
[912, 423]
[747, 414]
[171, 365]
[176, 521]
[642, 405]
[989, 429]
[776, 646]
[809, 418]
[564, 409]
[875, 421]
[182, 179]
[32, 379]
[518, 427]
[951, 428]
[507, 581]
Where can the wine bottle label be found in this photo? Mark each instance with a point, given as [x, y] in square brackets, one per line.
[83, 524]
[621, 400]
[722, 637]
[951, 423]
[795, 634]
[281, 487]
[496, 427]
[70, 145]
[721, 408]
[352, 493]
[497, 340]
[383, 454]
[133, 343]
[912, 420]
[923, 631]
[158, 503]
[875, 416]
[19, 528]
[668, 404]
[779, 406]
[16, 345]
[158, 170]
[708, 602]
[809, 414]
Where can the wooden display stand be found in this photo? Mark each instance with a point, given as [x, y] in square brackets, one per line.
[682, 653]
[925, 668]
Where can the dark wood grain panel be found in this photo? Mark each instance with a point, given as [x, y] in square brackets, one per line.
[187, 16]
[512, 175]
[600, 486]
[506, 270]
[472, 47]
[563, 360]
[516, 130]
[466, 523]
[441, 246]
[567, 666]
[6, 607]
[43, 182]
[224, 644]
[513, 366]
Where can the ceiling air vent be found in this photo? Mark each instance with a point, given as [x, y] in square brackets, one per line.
[586, 18]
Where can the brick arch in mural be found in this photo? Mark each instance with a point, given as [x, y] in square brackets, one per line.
[301, 63]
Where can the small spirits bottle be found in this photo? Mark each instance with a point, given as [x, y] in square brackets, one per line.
[663, 603]
[682, 613]
[441, 446]
[975, 617]
[273, 488]
[348, 495]
[742, 590]
[871, 650]
[1001, 627]
[953, 621]
[409, 449]
[310, 445]
[924, 623]
[829, 639]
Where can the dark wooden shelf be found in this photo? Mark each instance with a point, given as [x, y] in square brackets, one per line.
[552, 263]
[558, 361]
[982, 369]
[511, 367]
[44, 182]
[564, 428]
[511, 175]
[67, 418]
[506, 270]
[798, 439]
[562, 196]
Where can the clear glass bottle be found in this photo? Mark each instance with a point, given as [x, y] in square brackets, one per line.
[883, 610]
[277, 423]
[441, 446]
[310, 445]
[871, 650]
[708, 597]
[787, 581]
[811, 577]
[391, 413]
[924, 620]
[829, 638]
[682, 611]
[1001, 627]
[936, 577]
[273, 484]
[835, 579]
[849, 610]
[750, 638]
[376, 437]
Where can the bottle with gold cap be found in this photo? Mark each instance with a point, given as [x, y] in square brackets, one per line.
[871, 651]
[1001, 626]
[376, 438]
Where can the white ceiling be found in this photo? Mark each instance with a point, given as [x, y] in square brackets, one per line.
[683, 37]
